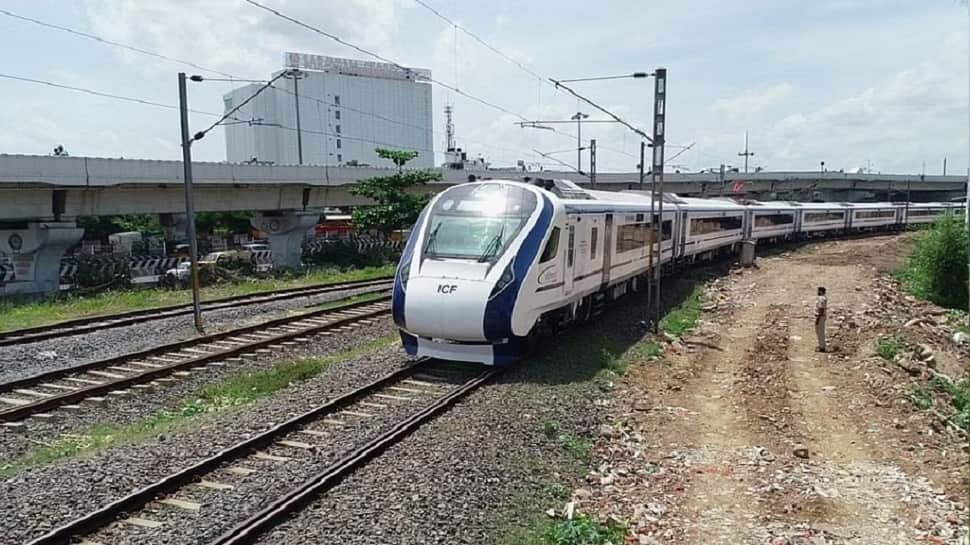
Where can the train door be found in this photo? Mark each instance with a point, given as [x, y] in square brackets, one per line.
[681, 232]
[607, 248]
[568, 270]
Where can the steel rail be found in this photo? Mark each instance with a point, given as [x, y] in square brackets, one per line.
[104, 515]
[108, 321]
[22, 411]
[249, 530]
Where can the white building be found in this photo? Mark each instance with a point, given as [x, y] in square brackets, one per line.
[347, 108]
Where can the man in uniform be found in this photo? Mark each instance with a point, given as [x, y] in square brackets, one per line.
[821, 307]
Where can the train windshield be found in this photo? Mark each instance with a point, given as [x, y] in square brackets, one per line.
[477, 221]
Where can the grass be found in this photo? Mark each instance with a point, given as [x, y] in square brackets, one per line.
[17, 315]
[888, 348]
[218, 397]
[679, 320]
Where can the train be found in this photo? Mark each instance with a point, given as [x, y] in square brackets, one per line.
[492, 265]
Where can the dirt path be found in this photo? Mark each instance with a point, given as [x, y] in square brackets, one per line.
[765, 441]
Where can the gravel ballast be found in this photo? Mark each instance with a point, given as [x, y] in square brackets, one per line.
[141, 404]
[37, 499]
[451, 482]
[19, 361]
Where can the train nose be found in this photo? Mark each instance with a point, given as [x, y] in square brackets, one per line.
[446, 308]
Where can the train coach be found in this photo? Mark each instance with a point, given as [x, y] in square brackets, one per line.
[492, 265]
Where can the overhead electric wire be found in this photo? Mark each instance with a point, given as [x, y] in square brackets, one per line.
[234, 78]
[199, 135]
[112, 42]
[481, 41]
[103, 94]
[602, 109]
[385, 59]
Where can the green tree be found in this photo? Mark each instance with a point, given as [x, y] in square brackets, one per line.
[395, 207]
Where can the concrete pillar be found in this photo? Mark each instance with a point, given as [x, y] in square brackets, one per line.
[286, 232]
[33, 253]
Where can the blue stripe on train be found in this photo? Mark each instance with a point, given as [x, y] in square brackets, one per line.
[398, 294]
[498, 311]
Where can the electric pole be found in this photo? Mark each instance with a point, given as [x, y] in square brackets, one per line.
[578, 118]
[659, 121]
[296, 74]
[189, 201]
[592, 163]
[643, 145]
[746, 153]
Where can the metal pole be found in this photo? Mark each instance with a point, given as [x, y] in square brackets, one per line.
[592, 163]
[579, 142]
[296, 96]
[722, 180]
[659, 120]
[189, 202]
[643, 145]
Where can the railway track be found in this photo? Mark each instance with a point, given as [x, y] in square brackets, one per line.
[410, 397]
[121, 376]
[97, 323]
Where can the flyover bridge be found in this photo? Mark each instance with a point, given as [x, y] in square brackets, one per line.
[40, 197]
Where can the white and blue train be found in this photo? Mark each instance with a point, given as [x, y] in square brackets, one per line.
[491, 265]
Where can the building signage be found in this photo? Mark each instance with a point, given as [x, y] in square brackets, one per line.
[353, 67]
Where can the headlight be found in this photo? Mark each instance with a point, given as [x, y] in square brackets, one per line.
[508, 275]
[403, 272]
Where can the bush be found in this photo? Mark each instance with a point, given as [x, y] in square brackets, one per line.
[346, 253]
[100, 272]
[937, 269]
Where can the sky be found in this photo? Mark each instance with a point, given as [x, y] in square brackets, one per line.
[855, 83]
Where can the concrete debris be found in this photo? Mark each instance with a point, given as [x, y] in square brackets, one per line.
[800, 452]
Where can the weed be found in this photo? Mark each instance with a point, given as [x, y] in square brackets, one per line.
[888, 348]
[647, 350]
[679, 320]
[583, 530]
[613, 362]
[922, 398]
[959, 393]
[577, 447]
[550, 428]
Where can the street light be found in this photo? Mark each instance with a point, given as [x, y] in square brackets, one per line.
[189, 202]
[636, 75]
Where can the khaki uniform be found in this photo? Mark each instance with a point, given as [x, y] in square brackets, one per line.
[821, 308]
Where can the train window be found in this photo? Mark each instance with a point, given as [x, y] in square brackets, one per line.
[704, 226]
[813, 217]
[768, 220]
[477, 221]
[593, 243]
[632, 236]
[874, 214]
[667, 229]
[552, 246]
[571, 248]
[924, 212]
